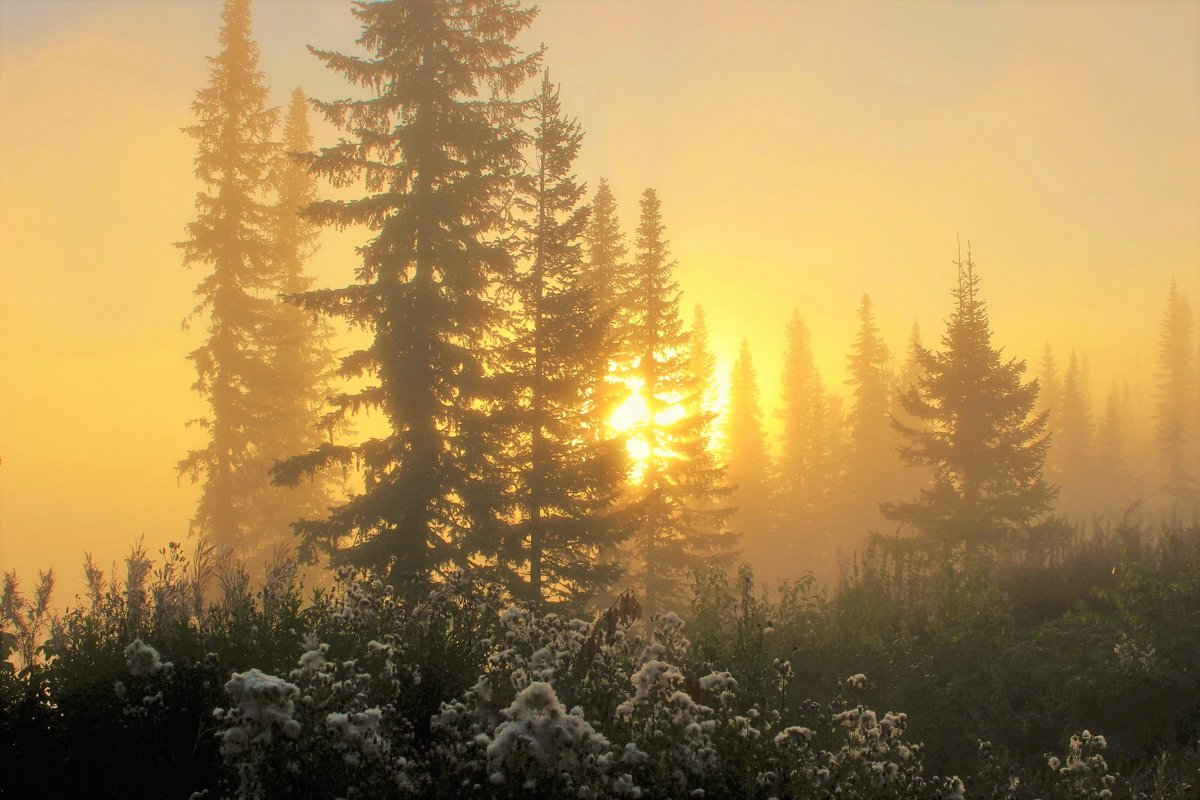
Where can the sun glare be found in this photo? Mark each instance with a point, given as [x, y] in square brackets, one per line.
[630, 419]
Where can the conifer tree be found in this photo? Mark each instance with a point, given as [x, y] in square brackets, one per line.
[607, 275]
[1073, 441]
[1129, 421]
[911, 371]
[702, 365]
[1050, 386]
[984, 449]
[607, 271]
[681, 526]
[230, 237]
[436, 144]
[871, 460]
[302, 361]
[1174, 408]
[747, 460]
[911, 480]
[565, 478]
[804, 471]
[1113, 478]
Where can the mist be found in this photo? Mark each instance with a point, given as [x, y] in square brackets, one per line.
[736, 306]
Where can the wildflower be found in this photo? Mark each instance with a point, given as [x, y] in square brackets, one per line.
[143, 660]
[264, 703]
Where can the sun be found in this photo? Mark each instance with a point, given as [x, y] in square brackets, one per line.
[631, 417]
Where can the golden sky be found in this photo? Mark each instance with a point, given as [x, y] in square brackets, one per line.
[804, 152]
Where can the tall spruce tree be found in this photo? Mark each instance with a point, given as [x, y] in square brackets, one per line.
[302, 360]
[682, 526]
[984, 446]
[804, 472]
[566, 478]
[747, 460]
[1174, 409]
[436, 145]
[870, 462]
[231, 238]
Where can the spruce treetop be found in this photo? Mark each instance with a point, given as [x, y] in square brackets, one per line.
[984, 445]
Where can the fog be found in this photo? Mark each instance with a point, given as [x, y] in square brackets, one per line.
[803, 153]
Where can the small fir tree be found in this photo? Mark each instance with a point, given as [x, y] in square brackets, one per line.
[747, 460]
[984, 446]
[805, 472]
[870, 462]
[1114, 480]
[1073, 443]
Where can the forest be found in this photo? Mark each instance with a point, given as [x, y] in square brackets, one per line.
[494, 519]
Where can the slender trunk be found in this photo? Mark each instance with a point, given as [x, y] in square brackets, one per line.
[540, 469]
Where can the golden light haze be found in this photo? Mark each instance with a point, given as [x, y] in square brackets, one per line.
[804, 153]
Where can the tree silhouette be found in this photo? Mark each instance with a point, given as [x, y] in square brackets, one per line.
[983, 448]
[1073, 441]
[747, 460]
[438, 163]
[702, 366]
[1174, 407]
[871, 460]
[607, 274]
[805, 471]
[681, 526]
[1114, 480]
[231, 237]
[566, 478]
[301, 355]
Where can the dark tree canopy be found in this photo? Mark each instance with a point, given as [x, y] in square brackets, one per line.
[983, 444]
[436, 148]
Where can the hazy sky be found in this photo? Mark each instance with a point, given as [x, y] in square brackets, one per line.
[804, 152]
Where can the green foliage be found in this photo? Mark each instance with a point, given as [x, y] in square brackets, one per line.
[180, 678]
